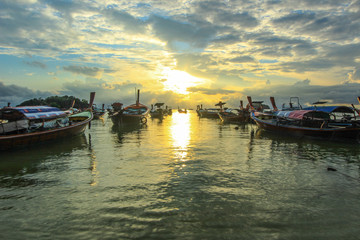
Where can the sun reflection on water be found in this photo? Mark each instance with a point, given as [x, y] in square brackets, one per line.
[180, 134]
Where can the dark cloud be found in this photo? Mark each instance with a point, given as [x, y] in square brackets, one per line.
[25, 27]
[245, 19]
[242, 59]
[308, 93]
[181, 34]
[105, 92]
[16, 94]
[295, 18]
[210, 91]
[129, 22]
[324, 25]
[307, 66]
[36, 64]
[88, 71]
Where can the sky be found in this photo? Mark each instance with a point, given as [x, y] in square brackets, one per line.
[183, 53]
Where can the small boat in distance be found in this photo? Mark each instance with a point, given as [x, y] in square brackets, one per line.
[182, 110]
[210, 112]
[28, 125]
[229, 115]
[157, 111]
[98, 112]
[133, 114]
[260, 109]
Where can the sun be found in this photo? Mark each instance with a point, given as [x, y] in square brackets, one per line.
[179, 81]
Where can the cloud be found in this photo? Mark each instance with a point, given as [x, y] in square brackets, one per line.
[16, 94]
[87, 71]
[354, 76]
[36, 64]
[127, 21]
[242, 59]
[105, 92]
[210, 91]
[181, 35]
[307, 92]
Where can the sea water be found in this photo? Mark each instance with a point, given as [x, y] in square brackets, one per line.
[182, 177]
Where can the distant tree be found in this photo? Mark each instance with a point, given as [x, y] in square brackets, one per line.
[63, 102]
[33, 102]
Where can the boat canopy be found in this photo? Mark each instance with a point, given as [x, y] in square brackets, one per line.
[159, 104]
[31, 113]
[135, 106]
[331, 109]
[302, 114]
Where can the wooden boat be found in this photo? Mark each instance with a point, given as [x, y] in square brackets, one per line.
[211, 112]
[342, 113]
[168, 110]
[182, 110]
[157, 111]
[25, 126]
[241, 115]
[133, 114]
[98, 112]
[308, 123]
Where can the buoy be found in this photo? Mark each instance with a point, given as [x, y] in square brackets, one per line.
[331, 169]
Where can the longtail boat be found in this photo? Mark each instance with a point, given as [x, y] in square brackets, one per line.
[308, 123]
[157, 111]
[259, 109]
[241, 115]
[211, 112]
[98, 112]
[28, 125]
[133, 114]
[182, 110]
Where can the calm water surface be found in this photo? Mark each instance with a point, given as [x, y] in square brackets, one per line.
[182, 178]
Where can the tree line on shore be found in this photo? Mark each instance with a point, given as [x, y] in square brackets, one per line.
[62, 102]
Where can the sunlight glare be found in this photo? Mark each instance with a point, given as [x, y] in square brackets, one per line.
[180, 134]
[179, 81]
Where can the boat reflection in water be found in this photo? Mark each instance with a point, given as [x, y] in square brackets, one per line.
[180, 130]
[20, 166]
[127, 129]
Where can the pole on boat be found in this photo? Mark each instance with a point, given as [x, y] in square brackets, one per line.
[355, 109]
[73, 103]
[272, 100]
[250, 103]
[92, 98]
[138, 97]
[241, 105]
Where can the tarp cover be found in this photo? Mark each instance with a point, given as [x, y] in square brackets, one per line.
[300, 114]
[330, 109]
[37, 112]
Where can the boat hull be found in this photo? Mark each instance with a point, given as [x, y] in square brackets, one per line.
[352, 133]
[232, 118]
[205, 114]
[157, 114]
[121, 119]
[8, 142]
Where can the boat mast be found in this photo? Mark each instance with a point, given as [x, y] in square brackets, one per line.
[138, 97]
[272, 100]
